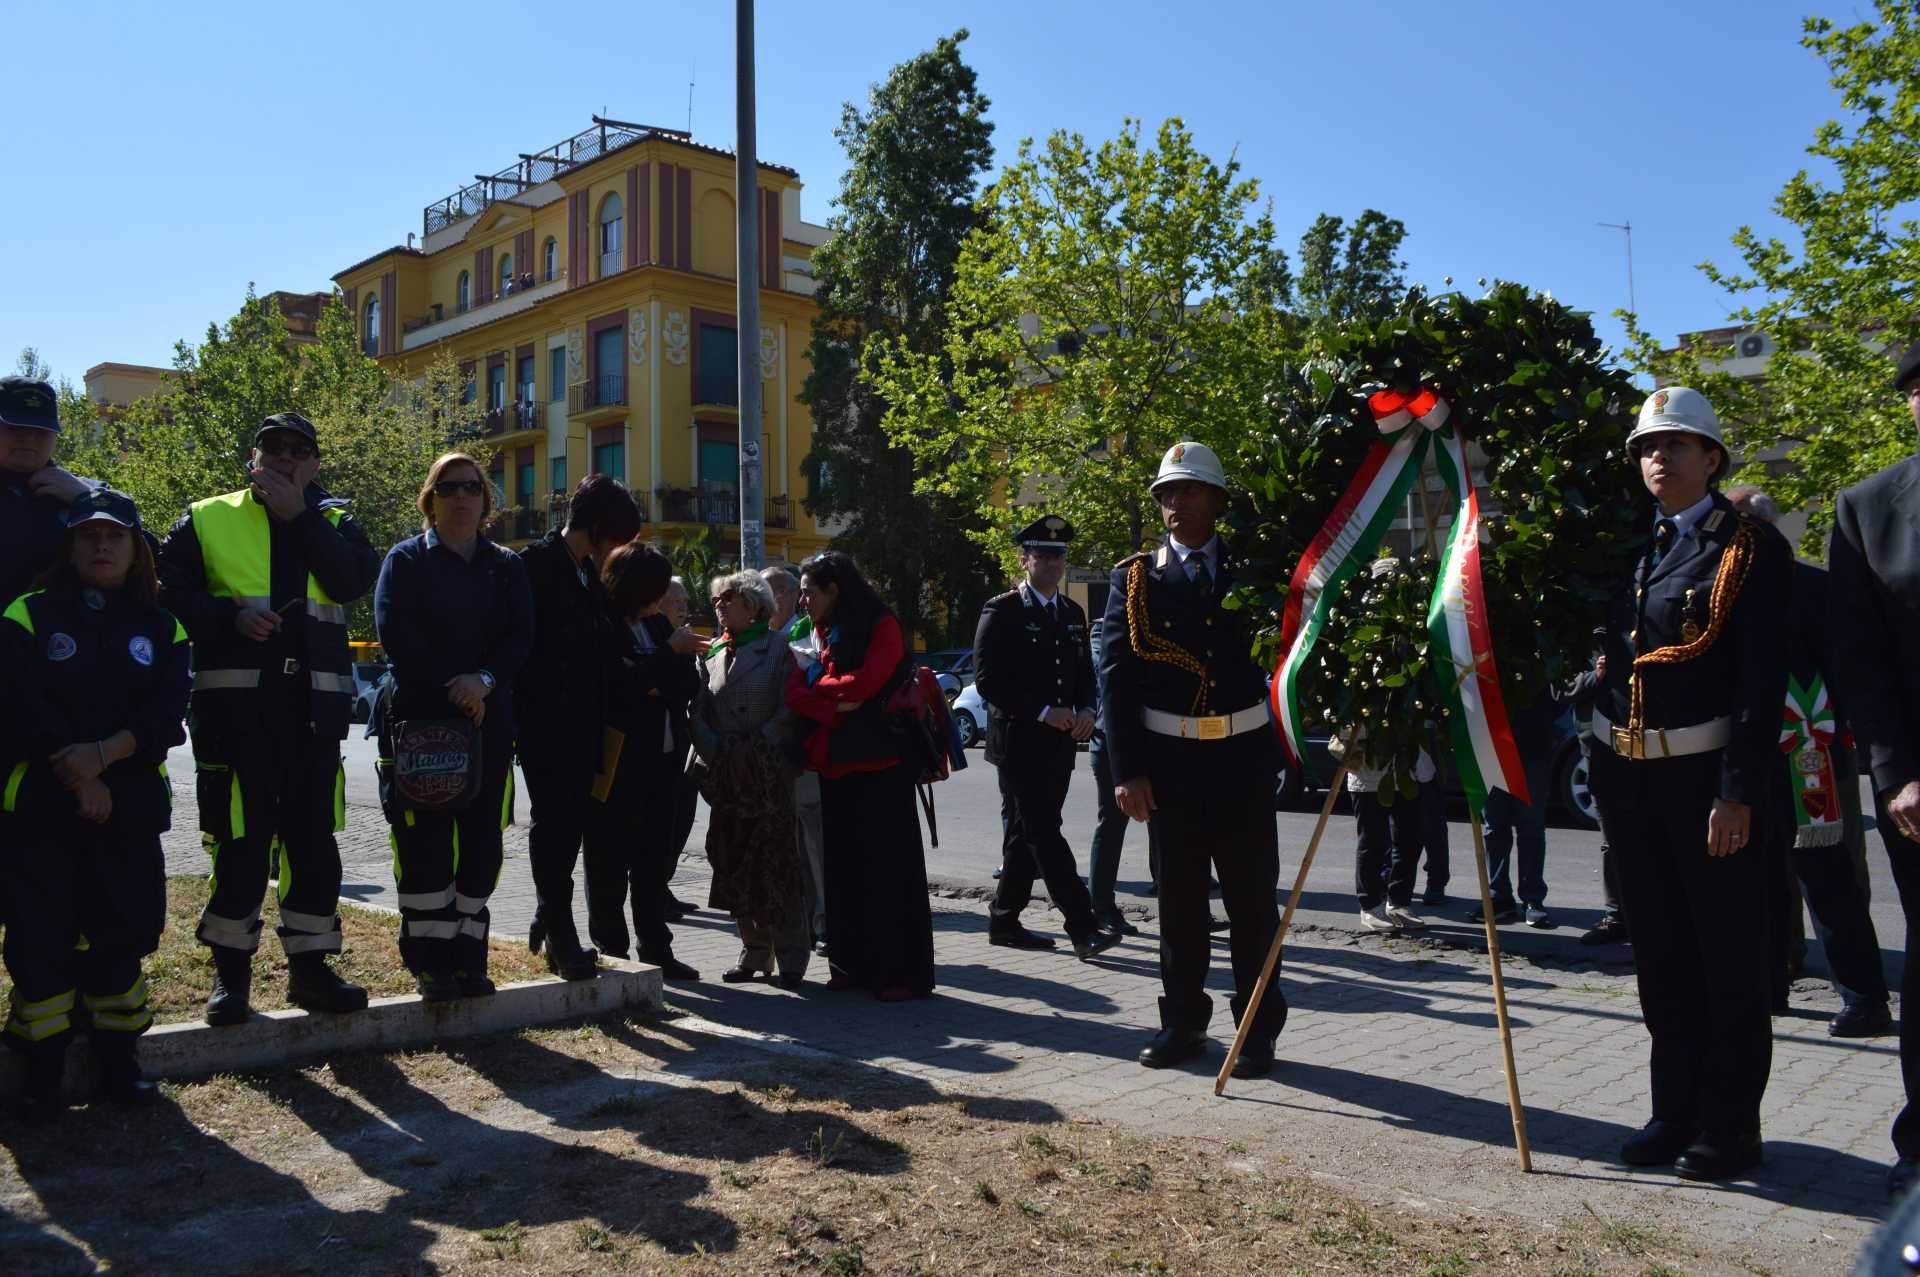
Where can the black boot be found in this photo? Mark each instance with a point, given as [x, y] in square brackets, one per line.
[232, 985]
[314, 986]
[566, 957]
[121, 1081]
[41, 1098]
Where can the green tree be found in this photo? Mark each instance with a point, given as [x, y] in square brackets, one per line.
[1096, 319]
[1355, 276]
[29, 364]
[1840, 301]
[915, 158]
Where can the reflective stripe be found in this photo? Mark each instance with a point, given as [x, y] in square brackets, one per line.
[166, 778]
[469, 904]
[393, 840]
[133, 997]
[430, 928]
[506, 799]
[474, 927]
[39, 1030]
[224, 680]
[230, 933]
[124, 1021]
[235, 537]
[179, 632]
[427, 901]
[254, 600]
[12, 795]
[339, 797]
[58, 1004]
[237, 816]
[282, 872]
[456, 844]
[325, 682]
[331, 613]
[301, 943]
[18, 613]
[309, 922]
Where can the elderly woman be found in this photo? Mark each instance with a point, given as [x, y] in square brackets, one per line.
[741, 729]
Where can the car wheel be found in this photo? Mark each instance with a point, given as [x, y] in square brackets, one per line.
[1576, 794]
[1289, 790]
[969, 730]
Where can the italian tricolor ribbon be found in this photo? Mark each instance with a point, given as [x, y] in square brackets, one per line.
[1807, 732]
[1457, 617]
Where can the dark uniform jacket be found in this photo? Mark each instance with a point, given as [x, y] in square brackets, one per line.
[647, 698]
[339, 557]
[31, 530]
[1025, 663]
[1744, 673]
[560, 696]
[1873, 617]
[74, 674]
[1221, 641]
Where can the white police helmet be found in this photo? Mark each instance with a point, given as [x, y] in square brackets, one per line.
[1193, 461]
[1676, 408]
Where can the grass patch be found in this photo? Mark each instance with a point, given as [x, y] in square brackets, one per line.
[180, 974]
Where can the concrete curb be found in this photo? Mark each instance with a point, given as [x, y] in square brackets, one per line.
[272, 1038]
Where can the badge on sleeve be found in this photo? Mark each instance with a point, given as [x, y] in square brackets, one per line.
[60, 646]
[140, 648]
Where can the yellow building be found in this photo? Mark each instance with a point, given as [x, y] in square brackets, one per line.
[588, 291]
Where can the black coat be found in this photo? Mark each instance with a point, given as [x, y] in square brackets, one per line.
[1229, 680]
[1025, 663]
[560, 696]
[648, 696]
[31, 529]
[1873, 616]
[1744, 673]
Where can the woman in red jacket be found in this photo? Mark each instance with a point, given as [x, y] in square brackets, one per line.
[879, 925]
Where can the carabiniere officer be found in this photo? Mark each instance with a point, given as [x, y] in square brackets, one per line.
[1195, 752]
[1034, 669]
[1686, 725]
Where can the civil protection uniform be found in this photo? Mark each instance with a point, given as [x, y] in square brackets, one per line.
[268, 717]
[78, 666]
[1031, 655]
[1689, 713]
[1184, 705]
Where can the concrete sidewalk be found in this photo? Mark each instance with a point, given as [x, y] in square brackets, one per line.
[1390, 1080]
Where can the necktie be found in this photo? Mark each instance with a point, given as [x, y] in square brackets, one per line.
[1663, 533]
[1202, 579]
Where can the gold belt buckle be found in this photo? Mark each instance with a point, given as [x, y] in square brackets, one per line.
[1629, 744]
[1213, 727]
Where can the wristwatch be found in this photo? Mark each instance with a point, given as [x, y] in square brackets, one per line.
[486, 678]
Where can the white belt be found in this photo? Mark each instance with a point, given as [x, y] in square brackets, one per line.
[1212, 727]
[1663, 742]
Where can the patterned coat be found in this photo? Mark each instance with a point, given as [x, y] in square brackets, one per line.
[742, 730]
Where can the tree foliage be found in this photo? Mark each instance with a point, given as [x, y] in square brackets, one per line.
[915, 157]
[1843, 299]
[1358, 276]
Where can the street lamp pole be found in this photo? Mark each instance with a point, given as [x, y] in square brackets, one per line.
[746, 197]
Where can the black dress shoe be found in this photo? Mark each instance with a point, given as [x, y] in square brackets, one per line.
[1657, 1144]
[1118, 924]
[1719, 1156]
[1173, 1046]
[1255, 1060]
[1861, 1021]
[790, 980]
[1901, 1175]
[740, 974]
[1611, 929]
[1434, 896]
[1021, 939]
[671, 968]
[1094, 942]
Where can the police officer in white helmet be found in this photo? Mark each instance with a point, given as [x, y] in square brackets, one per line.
[1686, 725]
[1195, 755]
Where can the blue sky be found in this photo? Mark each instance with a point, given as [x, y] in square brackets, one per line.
[163, 156]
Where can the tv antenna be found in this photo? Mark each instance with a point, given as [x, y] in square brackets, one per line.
[1626, 227]
[691, 73]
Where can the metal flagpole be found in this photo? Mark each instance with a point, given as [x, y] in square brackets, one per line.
[746, 197]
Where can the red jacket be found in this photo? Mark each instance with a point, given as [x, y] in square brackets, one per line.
[820, 702]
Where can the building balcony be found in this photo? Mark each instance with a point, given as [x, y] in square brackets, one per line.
[512, 419]
[603, 398]
[436, 325]
[718, 504]
[779, 512]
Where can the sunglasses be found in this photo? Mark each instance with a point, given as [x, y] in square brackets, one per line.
[459, 487]
[298, 449]
[726, 598]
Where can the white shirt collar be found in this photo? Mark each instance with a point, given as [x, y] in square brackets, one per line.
[1211, 549]
[1684, 521]
[1045, 600]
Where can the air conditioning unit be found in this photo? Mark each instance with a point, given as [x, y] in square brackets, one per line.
[1752, 346]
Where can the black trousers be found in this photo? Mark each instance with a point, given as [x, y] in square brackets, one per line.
[278, 798]
[1034, 781]
[445, 867]
[879, 923]
[1701, 960]
[1903, 854]
[1388, 859]
[1231, 832]
[557, 803]
[630, 851]
[72, 881]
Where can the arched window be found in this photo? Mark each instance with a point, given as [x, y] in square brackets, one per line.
[552, 254]
[506, 274]
[463, 293]
[370, 330]
[611, 236]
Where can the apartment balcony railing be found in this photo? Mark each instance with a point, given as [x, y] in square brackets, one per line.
[779, 512]
[609, 390]
[719, 503]
[533, 170]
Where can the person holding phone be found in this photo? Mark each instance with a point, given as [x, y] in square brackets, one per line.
[261, 578]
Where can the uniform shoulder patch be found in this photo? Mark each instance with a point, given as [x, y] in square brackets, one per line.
[1000, 599]
[1130, 560]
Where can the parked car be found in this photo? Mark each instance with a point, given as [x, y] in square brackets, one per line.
[366, 686]
[969, 712]
[952, 668]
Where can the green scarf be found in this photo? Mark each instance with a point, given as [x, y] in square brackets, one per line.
[800, 628]
[726, 641]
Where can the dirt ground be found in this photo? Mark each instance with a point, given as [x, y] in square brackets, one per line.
[650, 1145]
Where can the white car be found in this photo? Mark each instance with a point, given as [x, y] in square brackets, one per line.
[970, 716]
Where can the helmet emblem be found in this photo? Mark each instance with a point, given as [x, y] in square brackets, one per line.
[1179, 453]
[1660, 401]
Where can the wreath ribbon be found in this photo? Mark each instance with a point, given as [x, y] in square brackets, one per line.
[1808, 731]
[1457, 624]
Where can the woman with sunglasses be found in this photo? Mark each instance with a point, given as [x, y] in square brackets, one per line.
[455, 615]
[743, 732]
[879, 925]
[629, 830]
[93, 688]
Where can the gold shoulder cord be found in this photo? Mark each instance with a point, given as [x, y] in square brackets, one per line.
[1150, 647]
[1726, 588]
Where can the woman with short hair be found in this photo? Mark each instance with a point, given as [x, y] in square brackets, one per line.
[879, 925]
[742, 730]
[454, 612]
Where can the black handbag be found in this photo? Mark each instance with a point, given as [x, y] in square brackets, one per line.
[436, 764]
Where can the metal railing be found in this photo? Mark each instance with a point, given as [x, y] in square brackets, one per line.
[532, 170]
[779, 512]
[719, 503]
[609, 390]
